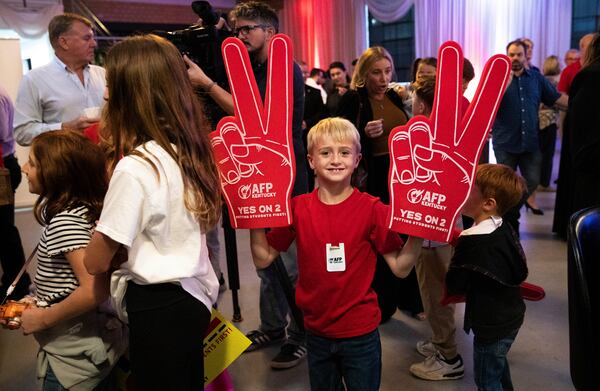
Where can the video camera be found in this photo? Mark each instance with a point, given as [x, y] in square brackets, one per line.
[201, 42]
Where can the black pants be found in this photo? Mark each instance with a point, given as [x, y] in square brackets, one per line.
[11, 251]
[547, 138]
[166, 334]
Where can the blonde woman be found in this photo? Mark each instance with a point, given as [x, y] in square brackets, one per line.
[375, 109]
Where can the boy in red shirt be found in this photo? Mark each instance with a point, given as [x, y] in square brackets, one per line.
[338, 232]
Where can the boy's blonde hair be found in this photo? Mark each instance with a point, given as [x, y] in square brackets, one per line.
[501, 183]
[337, 128]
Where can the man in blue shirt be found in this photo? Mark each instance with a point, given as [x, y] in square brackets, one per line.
[515, 131]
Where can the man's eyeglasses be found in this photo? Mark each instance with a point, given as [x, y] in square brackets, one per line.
[244, 30]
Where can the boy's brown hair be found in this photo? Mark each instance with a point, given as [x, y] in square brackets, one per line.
[425, 89]
[501, 183]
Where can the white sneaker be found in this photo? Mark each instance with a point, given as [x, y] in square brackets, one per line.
[426, 348]
[437, 368]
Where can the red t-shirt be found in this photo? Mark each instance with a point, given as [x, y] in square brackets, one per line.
[337, 304]
[567, 76]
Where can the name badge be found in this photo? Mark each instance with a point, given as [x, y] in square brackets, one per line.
[336, 258]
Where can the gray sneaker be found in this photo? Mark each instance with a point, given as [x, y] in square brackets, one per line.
[438, 368]
[426, 348]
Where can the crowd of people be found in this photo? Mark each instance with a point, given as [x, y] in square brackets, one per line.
[129, 197]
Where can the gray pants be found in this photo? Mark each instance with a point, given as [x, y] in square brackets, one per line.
[274, 309]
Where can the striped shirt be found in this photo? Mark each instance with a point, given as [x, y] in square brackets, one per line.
[68, 230]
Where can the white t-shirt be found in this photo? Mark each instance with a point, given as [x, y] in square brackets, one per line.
[147, 214]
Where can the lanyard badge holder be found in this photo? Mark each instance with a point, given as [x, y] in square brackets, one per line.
[336, 257]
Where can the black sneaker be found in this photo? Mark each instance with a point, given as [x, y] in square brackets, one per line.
[289, 356]
[260, 340]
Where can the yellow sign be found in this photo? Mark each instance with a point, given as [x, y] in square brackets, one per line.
[223, 344]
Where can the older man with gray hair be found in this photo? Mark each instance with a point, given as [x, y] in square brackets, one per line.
[56, 95]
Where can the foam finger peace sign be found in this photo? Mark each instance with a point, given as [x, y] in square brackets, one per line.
[433, 160]
[253, 147]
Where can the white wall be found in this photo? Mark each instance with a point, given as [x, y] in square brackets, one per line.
[11, 71]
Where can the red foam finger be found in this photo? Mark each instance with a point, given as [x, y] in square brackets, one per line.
[247, 102]
[280, 90]
[445, 114]
[436, 161]
[401, 165]
[257, 141]
[227, 168]
[420, 136]
[481, 113]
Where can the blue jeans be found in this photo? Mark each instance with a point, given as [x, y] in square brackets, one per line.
[528, 163]
[357, 360]
[530, 166]
[274, 308]
[491, 367]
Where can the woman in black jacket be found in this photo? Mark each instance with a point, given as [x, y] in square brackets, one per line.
[375, 109]
[584, 125]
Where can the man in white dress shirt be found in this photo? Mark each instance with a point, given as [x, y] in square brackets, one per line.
[55, 96]
[316, 80]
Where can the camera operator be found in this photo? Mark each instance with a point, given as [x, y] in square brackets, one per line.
[255, 25]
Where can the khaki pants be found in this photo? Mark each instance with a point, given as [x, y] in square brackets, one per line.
[431, 273]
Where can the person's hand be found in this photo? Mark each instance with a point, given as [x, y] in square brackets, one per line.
[342, 91]
[197, 75]
[434, 160]
[79, 124]
[253, 148]
[374, 128]
[33, 320]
